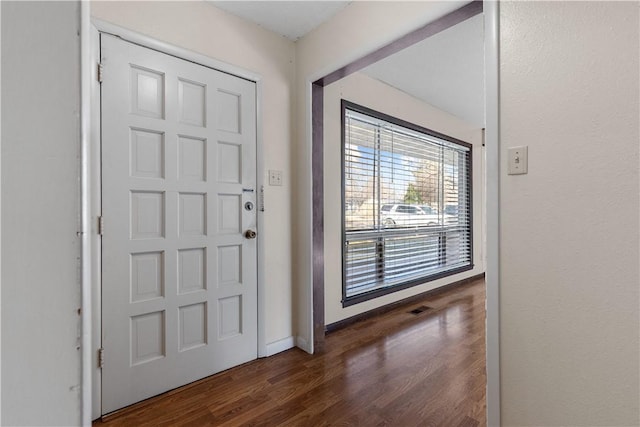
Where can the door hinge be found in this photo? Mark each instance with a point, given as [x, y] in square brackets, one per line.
[101, 358]
[100, 72]
[100, 225]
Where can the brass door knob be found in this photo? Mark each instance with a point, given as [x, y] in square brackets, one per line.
[250, 234]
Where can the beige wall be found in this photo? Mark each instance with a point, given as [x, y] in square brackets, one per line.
[371, 93]
[569, 250]
[204, 29]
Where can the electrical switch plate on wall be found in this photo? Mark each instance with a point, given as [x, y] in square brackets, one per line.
[518, 160]
[275, 177]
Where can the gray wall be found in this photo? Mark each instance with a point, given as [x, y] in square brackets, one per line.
[40, 249]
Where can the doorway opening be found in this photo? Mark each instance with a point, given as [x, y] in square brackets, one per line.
[486, 215]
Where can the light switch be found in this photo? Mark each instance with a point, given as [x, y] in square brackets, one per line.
[518, 160]
[275, 177]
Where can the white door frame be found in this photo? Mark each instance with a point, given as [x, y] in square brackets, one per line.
[492, 200]
[91, 197]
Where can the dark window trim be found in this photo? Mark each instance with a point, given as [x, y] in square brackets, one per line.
[317, 213]
[356, 299]
[347, 302]
[344, 104]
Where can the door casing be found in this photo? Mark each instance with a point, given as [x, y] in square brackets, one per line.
[95, 185]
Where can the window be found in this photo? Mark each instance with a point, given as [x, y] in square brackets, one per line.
[406, 204]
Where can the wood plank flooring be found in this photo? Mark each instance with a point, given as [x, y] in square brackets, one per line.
[397, 369]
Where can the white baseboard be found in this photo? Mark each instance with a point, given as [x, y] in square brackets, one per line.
[280, 346]
[303, 344]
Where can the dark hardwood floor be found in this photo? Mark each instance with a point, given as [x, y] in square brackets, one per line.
[397, 369]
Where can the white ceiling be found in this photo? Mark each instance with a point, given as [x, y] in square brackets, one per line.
[291, 19]
[445, 70]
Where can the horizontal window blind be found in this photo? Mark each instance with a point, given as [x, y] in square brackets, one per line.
[407, 204]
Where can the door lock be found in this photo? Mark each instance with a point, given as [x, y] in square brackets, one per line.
[250, 234]
[248, 206]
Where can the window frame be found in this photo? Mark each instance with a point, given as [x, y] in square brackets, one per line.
[366, 296]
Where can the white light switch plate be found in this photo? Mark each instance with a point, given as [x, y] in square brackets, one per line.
[275, 177]
[518, 160]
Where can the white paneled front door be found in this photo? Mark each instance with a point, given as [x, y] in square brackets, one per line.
[179, 280]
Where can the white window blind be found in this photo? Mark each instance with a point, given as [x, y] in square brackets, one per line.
[407, 204]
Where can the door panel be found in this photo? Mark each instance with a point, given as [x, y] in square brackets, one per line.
[179, 277]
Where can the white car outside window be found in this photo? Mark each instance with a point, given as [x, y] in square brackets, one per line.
[404, 215]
